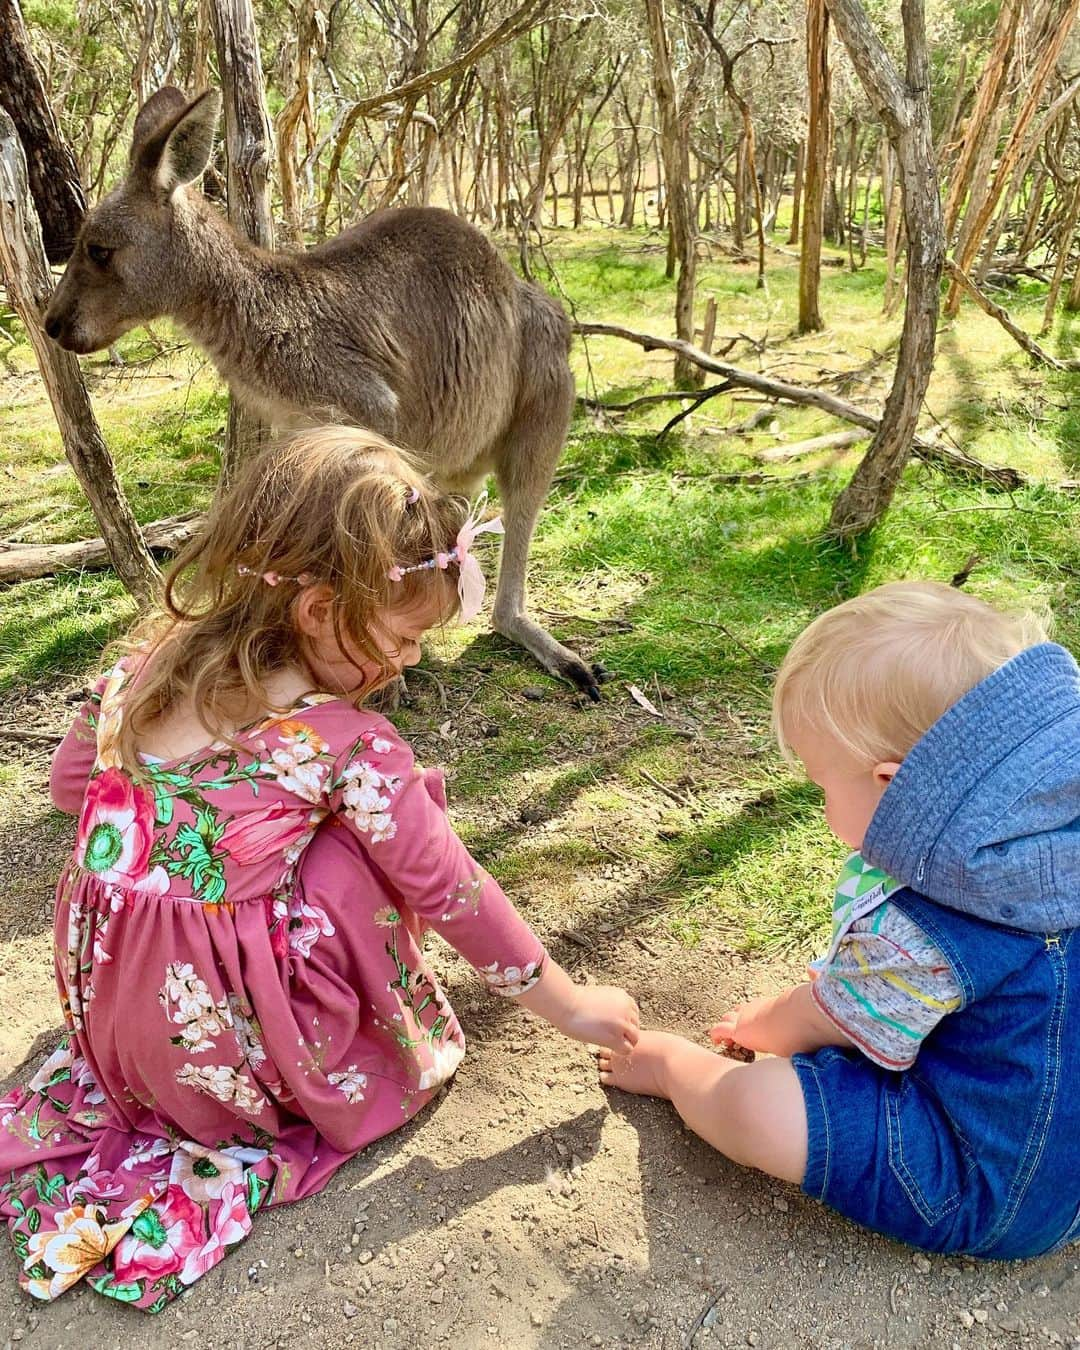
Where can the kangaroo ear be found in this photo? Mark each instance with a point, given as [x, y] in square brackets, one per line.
[178, 137]
[159, 108]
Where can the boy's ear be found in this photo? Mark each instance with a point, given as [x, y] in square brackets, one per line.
[315, 612]
[885, 772]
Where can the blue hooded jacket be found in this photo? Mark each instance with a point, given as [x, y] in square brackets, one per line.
[984, 814]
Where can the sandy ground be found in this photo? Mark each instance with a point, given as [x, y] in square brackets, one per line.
[527, 1207]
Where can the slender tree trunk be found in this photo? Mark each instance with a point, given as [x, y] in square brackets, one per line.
[676, 179]
[817, 159]
[53, 174]
[797, 192]
[892, 206]
[990, 94]
[1048, 55]
[248, 150]
[1034, 213]
[904, 107]
[288, 120]
[1064, 247]
[29, 286]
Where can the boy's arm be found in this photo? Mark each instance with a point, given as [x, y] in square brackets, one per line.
[789, 1024]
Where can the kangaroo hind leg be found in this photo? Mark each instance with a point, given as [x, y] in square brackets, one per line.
[524, 469]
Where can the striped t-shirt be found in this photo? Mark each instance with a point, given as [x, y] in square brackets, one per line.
[882, 982]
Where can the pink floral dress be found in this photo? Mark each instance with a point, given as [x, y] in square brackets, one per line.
[237, 955]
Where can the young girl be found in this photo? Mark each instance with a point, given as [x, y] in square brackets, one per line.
[237, 931]
[926, 1082]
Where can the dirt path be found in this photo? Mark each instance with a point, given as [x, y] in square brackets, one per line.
[526, 1207]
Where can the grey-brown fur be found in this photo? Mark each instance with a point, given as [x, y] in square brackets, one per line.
[410, 324]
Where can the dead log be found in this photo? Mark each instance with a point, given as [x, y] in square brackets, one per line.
[955, 461]
[29, 285]
[836, 440]
[23, 562]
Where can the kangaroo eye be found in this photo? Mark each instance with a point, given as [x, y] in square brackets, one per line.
[99, 255]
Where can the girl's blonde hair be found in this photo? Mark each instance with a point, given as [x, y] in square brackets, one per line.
[875, 673]
[337, 505]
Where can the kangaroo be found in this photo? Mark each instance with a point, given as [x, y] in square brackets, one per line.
[410, 324]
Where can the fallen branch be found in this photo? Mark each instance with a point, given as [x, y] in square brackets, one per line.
[22, 562]
[964, 466]
[995, 311]
[837, 440]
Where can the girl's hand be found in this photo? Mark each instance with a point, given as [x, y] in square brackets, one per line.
[602, 1015]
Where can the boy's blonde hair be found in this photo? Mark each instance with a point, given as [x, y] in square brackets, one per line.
[336, 504]
[875, 673]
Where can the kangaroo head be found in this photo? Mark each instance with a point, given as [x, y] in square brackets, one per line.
[124, 269]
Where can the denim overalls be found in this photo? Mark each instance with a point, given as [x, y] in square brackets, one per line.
[976, 1148]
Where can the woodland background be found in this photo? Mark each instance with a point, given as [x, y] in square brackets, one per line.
[823, 264]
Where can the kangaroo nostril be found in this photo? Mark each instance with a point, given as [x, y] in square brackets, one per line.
[52, 327]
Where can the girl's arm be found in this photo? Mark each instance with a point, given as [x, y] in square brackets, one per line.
[789, 1024]
[399, 816]
[73, 759]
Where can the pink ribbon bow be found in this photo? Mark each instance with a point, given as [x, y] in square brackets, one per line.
[471, 582]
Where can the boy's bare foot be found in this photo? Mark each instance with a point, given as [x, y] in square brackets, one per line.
[644, 1070]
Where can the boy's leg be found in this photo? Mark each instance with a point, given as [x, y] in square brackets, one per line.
[753, 1113]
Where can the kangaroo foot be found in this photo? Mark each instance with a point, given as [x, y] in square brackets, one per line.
[553, 656]
[390, 697]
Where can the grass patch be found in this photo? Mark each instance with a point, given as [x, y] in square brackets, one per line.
[683, 583]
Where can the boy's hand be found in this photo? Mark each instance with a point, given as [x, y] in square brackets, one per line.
[603, 1015]
[746, 1024]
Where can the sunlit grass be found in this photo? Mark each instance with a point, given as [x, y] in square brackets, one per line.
[686, 584]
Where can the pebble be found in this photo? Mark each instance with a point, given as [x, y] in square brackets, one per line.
[534, 693]
[354, 1241]
[350, 1309]
[980, 1315]
[921, 1264]
[536, 1319]
[780, 1203]
[438, 1294]
[965, 1319]
[365, 1256]
[390, 1325]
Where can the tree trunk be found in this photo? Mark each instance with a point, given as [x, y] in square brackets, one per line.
[1064, 246]
[1048, 55]
[678, 194]
[796, 194]
[248, 150]
[288, 120]
[29, 285]
[51, 168]
[904, 108]
[892, 207]
[817, 160]
[991, 93]
[1034, 213]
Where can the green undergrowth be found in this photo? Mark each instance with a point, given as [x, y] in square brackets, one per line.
[659, 557]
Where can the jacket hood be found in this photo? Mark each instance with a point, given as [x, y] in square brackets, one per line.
[984, 814]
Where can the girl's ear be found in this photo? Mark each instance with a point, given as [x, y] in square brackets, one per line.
[885, 772]
[315, 612]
